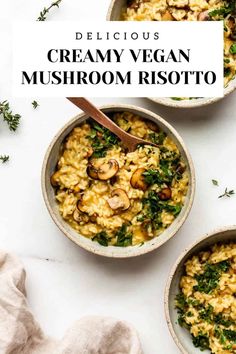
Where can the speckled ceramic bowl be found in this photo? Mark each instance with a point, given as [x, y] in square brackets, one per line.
[114, 14]
[180, 335]
[50, 163]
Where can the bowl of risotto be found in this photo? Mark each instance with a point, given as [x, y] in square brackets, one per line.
[186, 10]
[113, 202]
[200, 301]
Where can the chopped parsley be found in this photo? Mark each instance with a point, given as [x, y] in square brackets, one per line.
[157, 138]
[208, 281]
[153, 208]
[152, 176]
[101, 140]
[227, 72]
[123, 238]
[233, 49]
[102, 238]
[201, 341]
[230, 335]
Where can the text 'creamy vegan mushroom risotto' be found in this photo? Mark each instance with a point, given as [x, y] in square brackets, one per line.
[207, 301]
[114, 197]
[192, 10]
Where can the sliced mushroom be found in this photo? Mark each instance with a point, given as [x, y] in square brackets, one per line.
[93, 217]
[119, 200]
[153, 126]
[108, 170]
[92, 171]
[113, 180]
[204, 16]
[165, 194]
[80, 205]
[181, 168]
[138, 181]
[80, 216]
[231, 23]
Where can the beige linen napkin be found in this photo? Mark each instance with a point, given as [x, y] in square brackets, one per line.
[20, 333]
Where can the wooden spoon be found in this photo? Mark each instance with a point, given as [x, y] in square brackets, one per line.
[128, 140]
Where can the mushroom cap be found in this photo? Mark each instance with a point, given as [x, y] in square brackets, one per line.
[92, 172]
[138, 180]
[165, 193]
[80, 205]
[204, 16]
[80, 216]
[153, 126]
[119, 200]
[108, 170]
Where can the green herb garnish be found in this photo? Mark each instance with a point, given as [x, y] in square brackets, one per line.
[152, 176]
[13, 120]
[157, 138]
[102, 238]
[232, 49]
[230, 335]
[209, 280]
[101, 140]
[215, 182]
[123, 238]
[4, 158]
[201, 341]
[153, 208]
[45, 11]
[227, 72]
[227, 193]
[35, 104]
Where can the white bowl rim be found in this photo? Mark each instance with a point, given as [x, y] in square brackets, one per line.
[171, 276]
[167, 101]
[136, 250]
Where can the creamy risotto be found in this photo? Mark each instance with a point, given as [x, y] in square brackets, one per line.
[116, 197]
[207, 301]
[191, 10]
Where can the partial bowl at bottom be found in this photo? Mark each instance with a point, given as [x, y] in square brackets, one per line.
[181, 336]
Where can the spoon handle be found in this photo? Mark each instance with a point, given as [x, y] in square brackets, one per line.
[99, 116]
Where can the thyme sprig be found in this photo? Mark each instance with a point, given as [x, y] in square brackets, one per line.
[45, 11]
[13, 120]
[4, 158]
[227, 193]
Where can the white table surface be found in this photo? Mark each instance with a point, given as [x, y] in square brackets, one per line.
[65, 282]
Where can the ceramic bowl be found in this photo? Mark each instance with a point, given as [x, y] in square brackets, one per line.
[50, 162]
[114, 14]
[180, 335]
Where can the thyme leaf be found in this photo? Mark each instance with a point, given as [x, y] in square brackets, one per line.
[35, 104]
[4, 158]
